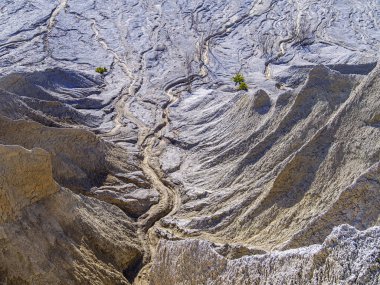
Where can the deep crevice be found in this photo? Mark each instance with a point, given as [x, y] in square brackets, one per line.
[133, 269]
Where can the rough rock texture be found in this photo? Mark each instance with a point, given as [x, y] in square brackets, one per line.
[261, 102]
[52, 97]
[165, 137]
[78, 157]
[309, 165]
[26, 177]
[85, 163]
[52, 236]
[347, 256]
[68, 239]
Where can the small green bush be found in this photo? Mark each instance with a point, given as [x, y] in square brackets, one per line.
[240, 81]
[101, 70]
[243, 86]
[238, 78]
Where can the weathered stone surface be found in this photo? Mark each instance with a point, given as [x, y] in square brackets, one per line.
[307, 164]
[68, 239]
[165, 136]
[133, 201]
[53, 95]
[83, 162]
[347, 256]
[52, 236]
[261, 101]
[78, 156]
[26, 177]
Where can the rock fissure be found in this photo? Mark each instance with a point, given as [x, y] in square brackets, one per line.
[159, 171]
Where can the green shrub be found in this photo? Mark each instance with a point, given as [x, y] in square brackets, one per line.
[243, 86]
[238, 78]
[101, 70]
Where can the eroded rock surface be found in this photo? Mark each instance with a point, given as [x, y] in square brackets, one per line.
[347, 256]
[162, 148]
[52, 236]
[302, 164]
[26, 177]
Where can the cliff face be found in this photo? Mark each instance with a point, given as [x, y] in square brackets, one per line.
[25, 179]
[52, 236]
[160, 171]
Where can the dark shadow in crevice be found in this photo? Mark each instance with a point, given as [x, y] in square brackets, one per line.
[133, 269]
[236, 251]
[360, 69]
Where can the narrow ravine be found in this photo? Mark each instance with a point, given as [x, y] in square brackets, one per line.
[148, 137]
[170, 200]
[51, 23]
[161, 171]
[62, 5]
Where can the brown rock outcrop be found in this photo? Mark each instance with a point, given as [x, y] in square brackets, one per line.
[164, 164]
[85, 163]
[25, 177]
[78, 156]
[52, 236]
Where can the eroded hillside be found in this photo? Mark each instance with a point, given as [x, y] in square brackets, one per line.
[160, 171]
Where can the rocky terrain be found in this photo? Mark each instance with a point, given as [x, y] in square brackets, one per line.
[160, 171]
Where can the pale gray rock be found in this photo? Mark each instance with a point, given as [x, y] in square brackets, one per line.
[278, 175]
[165, 136]
[261, 102]
[347, 256]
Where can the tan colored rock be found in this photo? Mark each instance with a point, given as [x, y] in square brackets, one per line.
[85, 163]
[49, 236]
[25, 177]
[78, 156]
[69, 239]
[250, 171]
[286, 179]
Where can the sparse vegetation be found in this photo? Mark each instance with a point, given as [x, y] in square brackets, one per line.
[243, 86]
[240, 81]
[238, 78]
[101, 70]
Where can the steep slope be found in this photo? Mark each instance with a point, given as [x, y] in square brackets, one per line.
[347, 256]
[52, 236]
[163, 147]
[289, 170]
